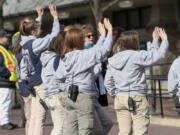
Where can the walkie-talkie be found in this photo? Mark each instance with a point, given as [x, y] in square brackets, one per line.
[131, 104]
[73, 92]
[34, 94]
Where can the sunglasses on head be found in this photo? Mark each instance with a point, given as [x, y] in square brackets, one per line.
[90, 35]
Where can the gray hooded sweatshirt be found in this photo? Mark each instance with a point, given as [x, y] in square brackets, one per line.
[77, 67]
[50, 86]
[174, 78]
[126, 73]
[41, 44]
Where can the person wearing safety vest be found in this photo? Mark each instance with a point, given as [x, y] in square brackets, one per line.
[8, 78]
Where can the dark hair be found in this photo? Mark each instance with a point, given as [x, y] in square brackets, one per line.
[27, 25]
[74, 40]
[116, 33]
[128, 40]
[57, 43]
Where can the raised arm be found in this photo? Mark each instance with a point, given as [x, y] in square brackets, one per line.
[155, 36]
[102, 32]
[146, 58]
[41, 44]
[99, 51]
[40, 12]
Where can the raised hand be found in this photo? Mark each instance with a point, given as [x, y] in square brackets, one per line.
[108, 25]
[162, 34]
[101, 29]
[155, 34]
[40, 10]
[53, 11]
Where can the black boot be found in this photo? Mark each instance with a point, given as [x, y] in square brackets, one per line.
[9, 126]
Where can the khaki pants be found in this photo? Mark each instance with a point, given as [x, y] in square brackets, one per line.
[135, 123]
[57, 114]
[79, 118]
[27, 111]
[37, 113]
[102, 121]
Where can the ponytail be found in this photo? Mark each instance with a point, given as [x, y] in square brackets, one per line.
[17, 48]
[27, 25]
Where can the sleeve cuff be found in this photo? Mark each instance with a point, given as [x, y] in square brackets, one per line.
[39, 19]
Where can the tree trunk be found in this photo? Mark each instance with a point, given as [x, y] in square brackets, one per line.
[97, 11]
[1, 13]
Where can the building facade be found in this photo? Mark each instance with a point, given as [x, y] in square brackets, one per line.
[141, 15]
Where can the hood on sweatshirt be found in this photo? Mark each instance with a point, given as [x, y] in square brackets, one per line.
[119, 60]
[69, 60]
[24, 39]
[46, 57]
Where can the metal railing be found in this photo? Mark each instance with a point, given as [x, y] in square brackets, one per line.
[156, 80]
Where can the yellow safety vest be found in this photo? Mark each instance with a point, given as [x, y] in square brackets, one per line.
[14, 36]
[9, 62]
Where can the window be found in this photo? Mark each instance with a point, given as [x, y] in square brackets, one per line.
[132, 18]
[71, 21]
[178, 8]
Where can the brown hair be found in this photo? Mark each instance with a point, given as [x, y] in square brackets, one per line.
[74, 40]
[27, 25]
[87, 29]
[128, 40]
[57, 43]
[67, 28]
[17, 48]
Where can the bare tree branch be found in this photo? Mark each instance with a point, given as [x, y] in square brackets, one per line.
[109, 5]
[96, 8]
[97, 11]
[91, 4]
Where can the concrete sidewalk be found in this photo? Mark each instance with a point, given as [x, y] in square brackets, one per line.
[166, 121]
[153, 130]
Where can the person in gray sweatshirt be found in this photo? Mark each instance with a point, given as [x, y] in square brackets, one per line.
[174, 78]
[102, 121]
[75, 71]
[125, 79]
[50, 61]
[174, 82]
[22, 86]
[30, 65]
